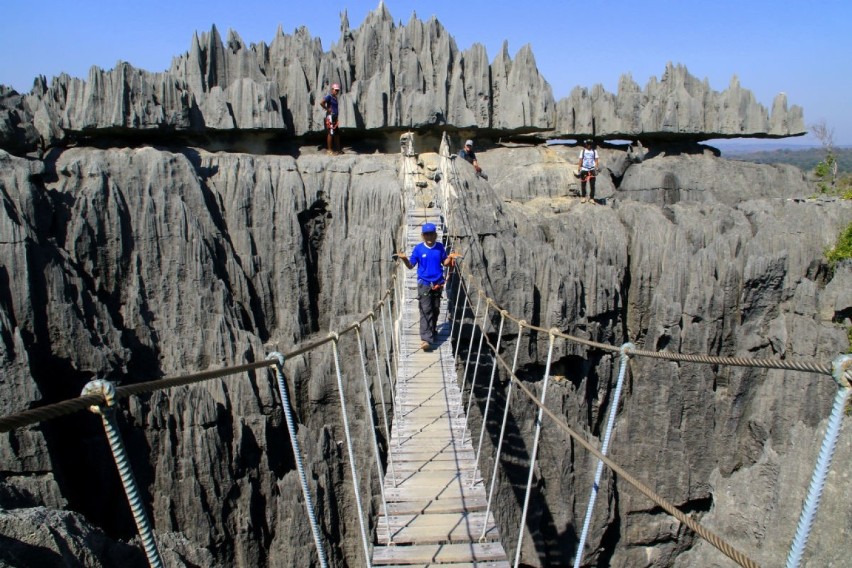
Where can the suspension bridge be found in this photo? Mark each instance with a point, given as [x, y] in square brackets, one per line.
[436, 507]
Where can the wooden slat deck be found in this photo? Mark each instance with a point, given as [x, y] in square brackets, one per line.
[435, 493]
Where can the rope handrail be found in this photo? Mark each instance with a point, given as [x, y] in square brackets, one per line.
[658, 499]
[63, 408]
[782, 364]
[840, 372]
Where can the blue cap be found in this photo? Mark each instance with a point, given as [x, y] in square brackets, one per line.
[428, 228]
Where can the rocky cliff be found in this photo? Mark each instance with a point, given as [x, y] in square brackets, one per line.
[131, 263]
[682, 261]
[394, 78]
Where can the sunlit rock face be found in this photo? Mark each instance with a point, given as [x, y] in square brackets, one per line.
[126, 260]
[394, 77]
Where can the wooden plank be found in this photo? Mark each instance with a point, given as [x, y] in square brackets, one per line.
[438, 528]
[496, 564]
[430, 494]
[438, 506]
[409, 466]
[439, 553]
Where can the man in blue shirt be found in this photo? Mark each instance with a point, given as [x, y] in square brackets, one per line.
[430, 257]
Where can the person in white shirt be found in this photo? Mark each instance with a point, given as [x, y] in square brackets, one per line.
[589, 164]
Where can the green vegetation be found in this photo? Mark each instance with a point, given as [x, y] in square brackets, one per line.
[805, 159]
[842, 250]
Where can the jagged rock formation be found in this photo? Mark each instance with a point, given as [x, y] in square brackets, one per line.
[134, 263]
[393, 77]
[678, 105]
[692, 267]
[139, 263]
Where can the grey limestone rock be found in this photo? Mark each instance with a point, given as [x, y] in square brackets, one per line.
[393, 76]
[135, 263]
[678, 105]
[735, 273]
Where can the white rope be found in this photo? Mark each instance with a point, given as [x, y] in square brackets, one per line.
[473, 330]
[470, 345]
[625, 357]
[380, 375]
[368, 409]
[490, 390]
[352, 467]
[502, 431]
[482, 331]
[457, 290]
[535, 449]
[297, 454]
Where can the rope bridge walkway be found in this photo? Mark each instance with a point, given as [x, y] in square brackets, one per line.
[435, 508]
[436, 499]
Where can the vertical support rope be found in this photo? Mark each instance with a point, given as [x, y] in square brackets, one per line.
[353, 469]
[490, 390]
[625, 357]
[379, 375]
[535, 449]
[470, 345]
[297, 454]
[119, 454]
[368, 409]
[472, 333]
[457, 290]
[502, 429]
[387, 350]
[826, 452]
[482, 331]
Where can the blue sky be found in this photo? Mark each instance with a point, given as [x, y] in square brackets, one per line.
[801, 48]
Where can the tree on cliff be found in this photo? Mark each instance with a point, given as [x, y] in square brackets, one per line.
[826, 170]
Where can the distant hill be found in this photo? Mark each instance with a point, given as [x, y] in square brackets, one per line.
[804, 158]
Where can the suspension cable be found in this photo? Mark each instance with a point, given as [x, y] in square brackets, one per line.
[782, 364]
[826, 452]
[278, 359]
[578, 559]
[106, 410]
[470, 345]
